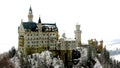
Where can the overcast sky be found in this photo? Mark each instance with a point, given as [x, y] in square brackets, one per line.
[98, 18]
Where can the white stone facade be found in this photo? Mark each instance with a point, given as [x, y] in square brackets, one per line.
[70, 44]
[35, 35]
[39, 36]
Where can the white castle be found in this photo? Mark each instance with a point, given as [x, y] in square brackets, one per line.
[35, 37]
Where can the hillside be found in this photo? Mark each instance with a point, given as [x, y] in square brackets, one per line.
[81, 57]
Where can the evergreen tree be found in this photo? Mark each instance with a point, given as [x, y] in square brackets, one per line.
[90, 61]
[117, 64]
[89, 52]
[105, 58]
[111, 63]
[12, 52]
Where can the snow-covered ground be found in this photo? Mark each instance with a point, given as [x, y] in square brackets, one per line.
[16, 62]
[83, 51]
[45, 58]
[40, 59]
[97, 65]
[83, 58]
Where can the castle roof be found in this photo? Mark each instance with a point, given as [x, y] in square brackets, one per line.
[46, 27]
[49, 27]
[32, 26]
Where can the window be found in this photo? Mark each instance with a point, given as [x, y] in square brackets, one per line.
[28, 42]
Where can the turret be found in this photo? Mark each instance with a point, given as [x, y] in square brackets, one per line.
[30, 15]
[78, 35]
[39, 24]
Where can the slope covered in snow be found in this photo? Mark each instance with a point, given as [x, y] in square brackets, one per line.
[97, 65]
[45, 59]
[84, 58]
[37, 60]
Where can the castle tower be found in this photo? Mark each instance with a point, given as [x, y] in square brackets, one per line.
[30, 15]
[39, 24]
[78, 35]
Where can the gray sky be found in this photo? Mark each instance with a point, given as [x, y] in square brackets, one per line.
[98, 18]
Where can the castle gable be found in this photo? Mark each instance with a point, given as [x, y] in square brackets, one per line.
[46, 27]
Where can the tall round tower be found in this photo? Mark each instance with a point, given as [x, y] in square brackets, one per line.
[78, 35]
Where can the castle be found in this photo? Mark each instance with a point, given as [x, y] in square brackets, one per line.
[36, 37]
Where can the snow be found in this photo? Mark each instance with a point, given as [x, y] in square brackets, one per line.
[116, 57]
[97, 65]
[3, 55]
[83, 57]
[15, 61]
[69, 39]
[57, 63]
[40, 59]
[46, 58]
[83, 52]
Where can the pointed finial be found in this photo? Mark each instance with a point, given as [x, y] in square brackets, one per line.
[30, 9]
[39, 21]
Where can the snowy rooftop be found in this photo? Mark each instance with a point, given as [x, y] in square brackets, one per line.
[69, 39]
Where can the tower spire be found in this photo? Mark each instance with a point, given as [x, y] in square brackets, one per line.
[39, 21]
[30, 9]
[30, 15]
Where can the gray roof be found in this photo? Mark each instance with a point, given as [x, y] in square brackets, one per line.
[49, 27]
[32, 26]
[46, 27]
